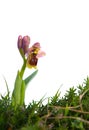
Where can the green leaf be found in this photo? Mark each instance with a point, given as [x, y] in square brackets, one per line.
[55, 98]
[30, 77]
[32, 127]
[6, 86]
[17, 90]
[66, 110]
[22, 93]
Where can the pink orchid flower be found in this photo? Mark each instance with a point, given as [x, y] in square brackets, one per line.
[33, 54]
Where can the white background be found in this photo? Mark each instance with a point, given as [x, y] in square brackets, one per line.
[62, 28]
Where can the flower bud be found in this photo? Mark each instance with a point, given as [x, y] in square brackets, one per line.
[25, 43]
[19, 42]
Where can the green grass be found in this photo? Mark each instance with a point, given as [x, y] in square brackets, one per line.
[70, 112]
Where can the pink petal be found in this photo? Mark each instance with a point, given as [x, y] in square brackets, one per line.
[40, 54]
[37, 45]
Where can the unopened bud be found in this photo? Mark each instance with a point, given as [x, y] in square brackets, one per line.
[19, 42]
[25, 43]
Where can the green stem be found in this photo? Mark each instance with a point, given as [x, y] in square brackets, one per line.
[23, 68]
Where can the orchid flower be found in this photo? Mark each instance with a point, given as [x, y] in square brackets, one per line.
[33, 54]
